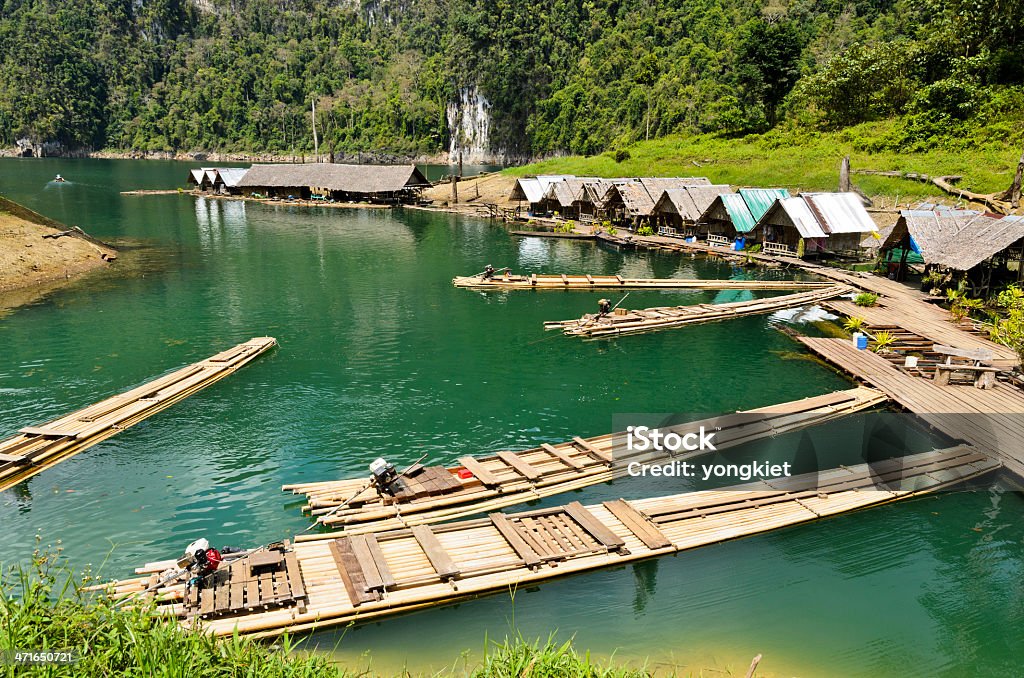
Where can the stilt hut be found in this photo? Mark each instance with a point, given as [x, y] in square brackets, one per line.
[202, 178]
[678, 209]
[986, 250]
[732, 215]
[226, 179]
[389, 184]
[632, 202]
[832, 223]
[786, 223]
[590, 202]
[532, 190]
[561, 198]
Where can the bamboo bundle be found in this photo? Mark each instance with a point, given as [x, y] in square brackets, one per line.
[561, 281]
[37, 448]
[362, 577]
[561, 468]
[664, 317]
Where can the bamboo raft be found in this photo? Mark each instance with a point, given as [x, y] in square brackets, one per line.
[37, 448]
[623, 322]
[436, 493]
[335, 580]
[563, 281]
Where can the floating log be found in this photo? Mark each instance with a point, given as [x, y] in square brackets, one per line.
[328, 582]
[563, 281]
[37, 448]
[507, 478]
[624, 322]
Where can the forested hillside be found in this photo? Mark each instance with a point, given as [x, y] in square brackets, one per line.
[515, 77]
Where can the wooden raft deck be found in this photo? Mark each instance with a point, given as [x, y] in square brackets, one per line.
[592, 326]
[37, 448]
[336, 580]
[510, 478]
[992, 419]
[563, 281]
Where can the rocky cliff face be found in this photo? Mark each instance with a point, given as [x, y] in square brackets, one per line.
[469, 125]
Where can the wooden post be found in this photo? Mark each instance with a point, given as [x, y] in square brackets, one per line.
[460, 162]
[1015, 186]
[455, 190]
[753, 666]
[844, 175]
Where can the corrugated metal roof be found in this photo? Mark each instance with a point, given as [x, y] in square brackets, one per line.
[793, 212]
[736, 207]
[231, 175]
[655, 186]
[956, 239]
[840, 212]
[533, 189]
[335, 177]
[760, 199]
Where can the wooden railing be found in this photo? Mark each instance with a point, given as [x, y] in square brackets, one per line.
[719, 240]
[778, 248]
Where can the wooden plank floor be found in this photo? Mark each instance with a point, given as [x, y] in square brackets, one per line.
[431, 566]
[563, 467]
[991, 419]
[37, 448]
[604, 282]
[666, 317]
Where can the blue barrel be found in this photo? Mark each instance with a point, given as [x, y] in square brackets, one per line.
[860, 341]
[739, 244]
[691, 239]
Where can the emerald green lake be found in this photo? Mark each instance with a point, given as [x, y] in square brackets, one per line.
[380, 356]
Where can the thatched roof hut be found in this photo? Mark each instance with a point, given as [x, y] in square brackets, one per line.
[954, 239]
[344, 181]
[690, 202]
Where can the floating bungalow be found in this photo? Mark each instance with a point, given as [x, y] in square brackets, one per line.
[222, 180]
[532, 190]
[562, 197]
[590, 202]
[732, 215]
[833, 223]
[679, 209]
[389, 184]
[987, 248]
[631, 202]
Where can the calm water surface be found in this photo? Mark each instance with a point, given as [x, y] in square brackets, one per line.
[379, 355]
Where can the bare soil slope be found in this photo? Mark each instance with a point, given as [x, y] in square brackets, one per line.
[29, 258]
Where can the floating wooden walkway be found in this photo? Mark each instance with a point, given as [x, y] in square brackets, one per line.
[623, 322]
[337, 580]
[563, 281]
[992, 419]
[505, 479]
[37, 448]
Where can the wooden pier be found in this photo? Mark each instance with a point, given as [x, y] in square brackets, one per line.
[992, 419]
[563, 281]
[436, 493]
[333, 580]
[624, 322]
[37, 448]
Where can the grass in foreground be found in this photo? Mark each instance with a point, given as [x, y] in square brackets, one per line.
[43, 609]
[805, 160]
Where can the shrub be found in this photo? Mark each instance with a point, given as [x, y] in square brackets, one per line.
[853, 324]
[645, 230]
[622, 155]
[883, 340]
[1009, 330]
[866, 299]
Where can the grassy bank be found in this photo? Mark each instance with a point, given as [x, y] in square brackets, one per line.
[806, 160]
[43, 608]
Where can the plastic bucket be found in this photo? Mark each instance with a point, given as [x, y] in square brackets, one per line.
[691, 239]
[860, 341]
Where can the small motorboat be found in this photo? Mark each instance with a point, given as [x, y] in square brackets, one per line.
[59, 179]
